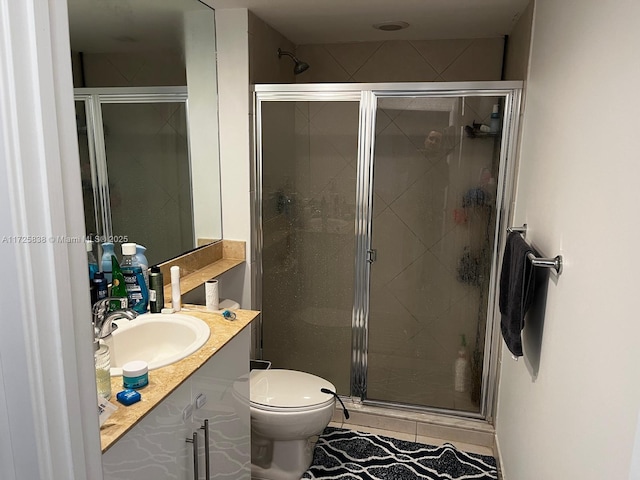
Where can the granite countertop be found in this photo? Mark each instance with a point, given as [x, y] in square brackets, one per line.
[163, 381]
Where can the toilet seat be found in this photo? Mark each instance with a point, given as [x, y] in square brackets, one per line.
[278, 390]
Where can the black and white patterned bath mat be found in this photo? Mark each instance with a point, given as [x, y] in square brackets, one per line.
[347, 454]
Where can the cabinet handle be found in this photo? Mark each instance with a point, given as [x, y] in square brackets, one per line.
[205, 427]
[194, 440]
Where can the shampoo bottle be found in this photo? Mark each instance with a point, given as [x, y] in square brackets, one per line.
[461, 367]
[137, 291]
[107, 253]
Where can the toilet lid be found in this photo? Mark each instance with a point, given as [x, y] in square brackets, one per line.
[288, 389]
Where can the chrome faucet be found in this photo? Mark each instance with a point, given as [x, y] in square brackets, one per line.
[103, 325]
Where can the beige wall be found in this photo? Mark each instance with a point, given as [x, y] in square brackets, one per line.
[264, 64]
[403, 61]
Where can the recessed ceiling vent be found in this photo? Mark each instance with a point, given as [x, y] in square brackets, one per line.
[391, 26]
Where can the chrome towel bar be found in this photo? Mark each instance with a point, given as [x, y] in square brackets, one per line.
[555, 262]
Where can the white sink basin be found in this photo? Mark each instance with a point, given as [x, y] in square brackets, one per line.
[157, 338]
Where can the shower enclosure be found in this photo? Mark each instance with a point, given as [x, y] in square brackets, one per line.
[380, 213]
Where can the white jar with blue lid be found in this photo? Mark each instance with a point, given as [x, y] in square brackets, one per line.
[135, 374]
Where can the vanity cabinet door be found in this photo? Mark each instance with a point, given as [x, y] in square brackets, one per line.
[223, 380]
[156, 447]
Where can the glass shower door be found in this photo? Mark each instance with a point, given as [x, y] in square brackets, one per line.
[309, 164]
[434, 213]
[147, 160]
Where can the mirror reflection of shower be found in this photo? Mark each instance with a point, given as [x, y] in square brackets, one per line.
[299, 66]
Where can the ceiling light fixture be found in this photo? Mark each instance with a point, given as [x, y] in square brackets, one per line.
[391, 26]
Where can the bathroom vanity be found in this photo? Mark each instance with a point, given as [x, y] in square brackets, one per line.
[192, 411]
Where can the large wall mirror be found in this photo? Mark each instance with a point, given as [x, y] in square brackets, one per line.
[147, 112]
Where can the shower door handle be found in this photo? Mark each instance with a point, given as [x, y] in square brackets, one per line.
[372, 255]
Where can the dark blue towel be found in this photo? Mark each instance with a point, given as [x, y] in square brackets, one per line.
[516, 291]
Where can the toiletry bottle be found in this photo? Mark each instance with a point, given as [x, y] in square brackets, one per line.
[156, 290]
[461, 367]
[495, 122]
[103, 369]
[107, 253]
[137, 292]
[91, 258]
[100, 288]
[118, 285]
[144, 263]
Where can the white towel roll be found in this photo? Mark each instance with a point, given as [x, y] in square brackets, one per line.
[211, 295]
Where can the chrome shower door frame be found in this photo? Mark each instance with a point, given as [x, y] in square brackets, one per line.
[93, 99]
[368, 95]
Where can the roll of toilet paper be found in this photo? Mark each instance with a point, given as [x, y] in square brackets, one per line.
[176, 299]
[211, 295]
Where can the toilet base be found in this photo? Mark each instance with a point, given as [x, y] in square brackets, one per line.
[280, 460]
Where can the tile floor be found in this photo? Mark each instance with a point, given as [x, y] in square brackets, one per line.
[467, 435]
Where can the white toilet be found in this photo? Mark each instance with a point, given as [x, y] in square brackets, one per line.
[287, 410]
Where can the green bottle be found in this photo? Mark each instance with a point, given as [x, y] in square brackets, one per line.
[118, 286]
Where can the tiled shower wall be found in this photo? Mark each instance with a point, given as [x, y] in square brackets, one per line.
[403, 61]
[413, 340]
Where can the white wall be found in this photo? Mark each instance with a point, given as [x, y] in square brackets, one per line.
[232, 38]
[578, 192]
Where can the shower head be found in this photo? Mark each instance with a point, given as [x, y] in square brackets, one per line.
[299, 67]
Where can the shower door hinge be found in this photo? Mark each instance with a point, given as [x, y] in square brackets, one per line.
[372, 255]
